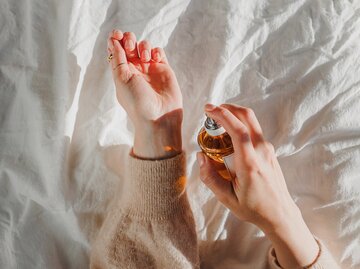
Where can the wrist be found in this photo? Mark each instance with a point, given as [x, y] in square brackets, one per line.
[294, 244]
[158, 139]
[284, 215]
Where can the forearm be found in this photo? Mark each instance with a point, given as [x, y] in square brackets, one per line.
[294, 244]
[158, 139]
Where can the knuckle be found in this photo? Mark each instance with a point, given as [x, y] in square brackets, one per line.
[223, 111]
[249, 163]
[249, 113]
[253, 172]
[268, 152]
[225, 105]
[231, 106]
[243, 136]
[258, 138]
[159, 50]
[145, 43]
[269, 147]
[129, 35]
[268, 156]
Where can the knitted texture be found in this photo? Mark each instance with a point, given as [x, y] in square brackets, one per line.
[156, 187]
[151, 225]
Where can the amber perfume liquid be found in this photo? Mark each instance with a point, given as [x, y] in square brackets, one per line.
[216, 143]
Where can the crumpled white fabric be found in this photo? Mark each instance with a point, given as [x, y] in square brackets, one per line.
[63, 138]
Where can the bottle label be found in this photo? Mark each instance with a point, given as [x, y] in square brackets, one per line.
[230, 165]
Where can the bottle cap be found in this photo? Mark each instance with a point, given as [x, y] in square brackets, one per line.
[212, 127]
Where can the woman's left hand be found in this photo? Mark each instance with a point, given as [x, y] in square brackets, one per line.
[146, 87]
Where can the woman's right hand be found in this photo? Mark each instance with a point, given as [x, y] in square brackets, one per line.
[258, 194]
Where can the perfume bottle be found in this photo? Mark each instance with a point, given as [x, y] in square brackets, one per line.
[216, 143]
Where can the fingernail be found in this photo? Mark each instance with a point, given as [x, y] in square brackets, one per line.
[200, 158]
[157, 56]
[129, 44]
[209, 107]
[146, 55]
[115, 32]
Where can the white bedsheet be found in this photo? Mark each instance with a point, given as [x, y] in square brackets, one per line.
[63, 138]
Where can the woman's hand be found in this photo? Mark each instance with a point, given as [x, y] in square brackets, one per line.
[258, 194]
[147, 89]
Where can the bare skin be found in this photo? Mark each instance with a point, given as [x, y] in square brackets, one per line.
[147, 89]
[258, 194]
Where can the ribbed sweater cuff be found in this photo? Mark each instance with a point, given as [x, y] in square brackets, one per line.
[155, 188]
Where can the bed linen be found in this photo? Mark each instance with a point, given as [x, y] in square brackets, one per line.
[64, 139]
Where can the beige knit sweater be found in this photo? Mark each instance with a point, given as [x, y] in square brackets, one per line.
[152, 225]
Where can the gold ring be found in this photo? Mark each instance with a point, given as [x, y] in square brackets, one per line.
[118, 65]
[110, 57]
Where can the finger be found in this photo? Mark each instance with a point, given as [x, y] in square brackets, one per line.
[221, 188]
[145, 51]
[247, 116]
[237, 130]
[110, 45]
[129, 44]
[158, 55]
[116, 34]
[119, 65]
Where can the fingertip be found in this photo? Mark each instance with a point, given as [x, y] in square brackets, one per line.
[117, 34]
[210, 107]
[158, 55]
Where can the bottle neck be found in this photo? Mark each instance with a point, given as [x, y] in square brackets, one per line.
[213, 128]
[216, 132]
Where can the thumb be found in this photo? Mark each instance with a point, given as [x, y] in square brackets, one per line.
[221, 187]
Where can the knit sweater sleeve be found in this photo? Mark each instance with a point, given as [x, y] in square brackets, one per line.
[324, 261]
[151, 225]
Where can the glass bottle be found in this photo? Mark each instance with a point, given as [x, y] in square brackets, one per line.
[216, 143]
